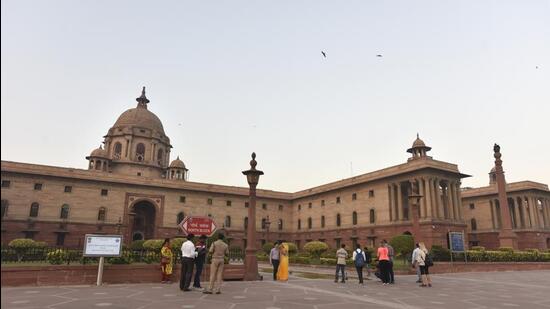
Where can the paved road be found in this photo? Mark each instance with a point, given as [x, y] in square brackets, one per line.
[465, 290]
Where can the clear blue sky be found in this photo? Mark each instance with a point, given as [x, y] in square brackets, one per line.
[243, 76]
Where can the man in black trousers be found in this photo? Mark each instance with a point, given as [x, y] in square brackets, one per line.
[188, 255]
[274, 257]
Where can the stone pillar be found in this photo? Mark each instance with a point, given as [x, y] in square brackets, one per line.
[530, 211]
[449, 201]
[459, 201]
[493, 214]
[428, 198]
[390, 202]
[399, 203]
[523, 219]
[423, 210]
[453, 198]
[437, 199]
[507, 237]
[517, 211]
[535, 211]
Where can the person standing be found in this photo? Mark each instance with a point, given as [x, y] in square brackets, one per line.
[415, 265]
[188, 255]
[166, 261]
[368, 261]
[421, 259]
[359, 259]
[383, 263]
[274, 257]
[200, 248]
[341, 257]
[219, 249]
[391, 254]
[282, 271]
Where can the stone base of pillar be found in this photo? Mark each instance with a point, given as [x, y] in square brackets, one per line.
[507, 238]
[251, 267]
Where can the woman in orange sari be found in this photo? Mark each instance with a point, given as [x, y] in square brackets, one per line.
[282, 272]
[166, 261]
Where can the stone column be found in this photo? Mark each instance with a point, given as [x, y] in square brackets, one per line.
[449, 201]
[493, 214]
[517, 211]
[399, 202]
[535, 211]
[423, 210]
[530, 211]
[455, 202]
[428, 198]
[390, 202]
[522, 213]
[437, 199]
[545, 212]
[459, 201]
[507, 237]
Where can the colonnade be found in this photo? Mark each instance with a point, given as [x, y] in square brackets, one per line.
[440, 199]
[526, 211]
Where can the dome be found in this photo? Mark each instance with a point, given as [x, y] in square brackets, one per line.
[99, 152]
[418, 143]
[140, 117]
[177, 163]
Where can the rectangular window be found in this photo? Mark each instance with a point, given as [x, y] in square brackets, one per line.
[38, 186]
[264, 206]
[68, 189]
[60, 239]
[6, 183]
[209, 201]
[104, 192]
[371, 193]
[338, 200]
[472, 206]
[354, 196]
[228, 203]
[29, 235]
[299, 206]
[280, 207]
[182, 199]
[309, 205]
[338, 242]
[322, 202]
[246, 204]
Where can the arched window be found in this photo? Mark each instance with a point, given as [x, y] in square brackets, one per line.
[264, 225]
[160, 156]
[64, 212]
[4, 208]
[473, 224]
[101, 214]
[309, 223]
[354, 218]
[322, 221]
[34, 210]
[280, 224]
[180, 217]
[338, 220]
[140, 152]
[227, 221]
[245, 223]
[299, 224]
[372, 218]
[117, 150]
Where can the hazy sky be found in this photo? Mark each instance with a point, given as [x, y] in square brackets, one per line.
[231, 77]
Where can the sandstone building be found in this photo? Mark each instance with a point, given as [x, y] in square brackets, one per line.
[132, 188]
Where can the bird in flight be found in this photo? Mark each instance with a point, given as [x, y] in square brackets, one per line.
[323, 53]
[379, 55]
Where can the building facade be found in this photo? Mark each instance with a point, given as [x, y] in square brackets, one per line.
[132, 188]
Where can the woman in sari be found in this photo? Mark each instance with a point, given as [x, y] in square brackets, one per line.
[282, 272]
[166, 261]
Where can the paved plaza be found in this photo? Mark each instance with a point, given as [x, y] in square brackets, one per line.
[527, 289]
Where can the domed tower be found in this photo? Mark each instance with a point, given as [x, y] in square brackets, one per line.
[99, 160]
[419, 149]
[493, 176]
[177, 170]
[136, 144]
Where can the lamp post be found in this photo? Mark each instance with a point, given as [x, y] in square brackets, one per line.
[414, 201]
[267, 224]
[250, 261]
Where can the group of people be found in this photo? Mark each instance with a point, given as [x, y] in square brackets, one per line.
[194, 256]
[278, 258]
[385, 254]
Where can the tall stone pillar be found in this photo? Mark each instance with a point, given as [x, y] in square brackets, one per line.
[423, 207]
[535, 211]
[399, 198]
[390, 203]
[428, 197]
[437, 199]
[530, 211]
[459, 201]
[507, 237]
[493, 214]
[449, 201]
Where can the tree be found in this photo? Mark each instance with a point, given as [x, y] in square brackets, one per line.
[403, 245]
[315, 248]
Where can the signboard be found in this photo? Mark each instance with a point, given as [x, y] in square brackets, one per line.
[456, 240]
[102, 245]
[198, 225]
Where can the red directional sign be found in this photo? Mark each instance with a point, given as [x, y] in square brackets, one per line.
[198, 225]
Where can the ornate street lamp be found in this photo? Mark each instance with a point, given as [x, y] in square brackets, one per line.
[250, 261]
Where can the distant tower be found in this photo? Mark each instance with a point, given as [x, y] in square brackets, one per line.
[99, 160]
[177, 170]
[492, 177]
[419, 149]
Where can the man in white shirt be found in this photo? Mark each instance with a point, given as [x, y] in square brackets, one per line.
[413, 262]
[188, 255]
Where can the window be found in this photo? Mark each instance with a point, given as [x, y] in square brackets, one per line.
[354, 196]
[38, 186]
[209, 201]
[472, 206]
[180, 217]
[309, 205]
[299, 206]
[4, 208]
[299, 224]
[322, 221]
[354, 218]
[6, 183]
[245, 223]
[473, 224]
[64, 212]
[264, 223]
[34, 210]
[68, 189]
[338, 220]
[60, 239]
[264, 206]
[101, 214]
[338, 242]
[280, 224]
[160, 156]
[227, 222]
[182, 199]
[280, 207]
[338, 200]
[309, 223]
[117, 150]
[210, 215]
[104, 192]
[140, 152]
[138, 173]
[228, 203]
[371, 193]
[322, 202]
[246, 204]
[372, 218]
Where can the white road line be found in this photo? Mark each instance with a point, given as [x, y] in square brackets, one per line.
[495, 282]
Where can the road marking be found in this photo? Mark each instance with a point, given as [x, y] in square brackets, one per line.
[495, 282]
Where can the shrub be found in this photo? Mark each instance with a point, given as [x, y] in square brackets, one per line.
[151, 257]
[329, 254]
[506, 249]
[124, 258]
[57, 257]
[328, 261]
[261, 256]
[21, 246]
[316, 248]
[292, 248]
[477, 248]
[532, 250]
[137, 244]
[440, 254]
[299, 260]
[402, 244]
[267, 247]
[40, 244]
[153, 244]
[176, 244]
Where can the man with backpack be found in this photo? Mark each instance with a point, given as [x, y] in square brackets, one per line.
[359, 259]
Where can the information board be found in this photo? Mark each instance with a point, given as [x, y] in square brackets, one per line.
[102, 245]
[456, 241]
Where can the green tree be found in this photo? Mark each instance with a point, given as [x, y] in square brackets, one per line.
[402, 245]
[315, 248]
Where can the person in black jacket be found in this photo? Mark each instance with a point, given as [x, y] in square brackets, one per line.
[200, 248]
[368, 262]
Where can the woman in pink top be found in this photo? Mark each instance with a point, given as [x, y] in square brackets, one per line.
[384, 263]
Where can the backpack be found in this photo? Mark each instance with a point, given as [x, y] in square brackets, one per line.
[359, 258]
[428, 261]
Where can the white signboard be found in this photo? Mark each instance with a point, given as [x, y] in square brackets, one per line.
[102, 245]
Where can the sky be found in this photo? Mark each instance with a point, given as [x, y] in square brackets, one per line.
[231, 77]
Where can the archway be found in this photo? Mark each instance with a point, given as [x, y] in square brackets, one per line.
[143, 225]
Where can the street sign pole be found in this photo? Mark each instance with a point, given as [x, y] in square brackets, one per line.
[465, 249]
[100, 271]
